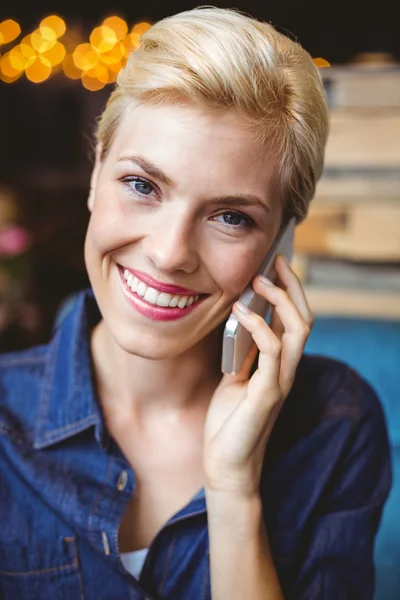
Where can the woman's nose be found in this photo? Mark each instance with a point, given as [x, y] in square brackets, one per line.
[171, 245]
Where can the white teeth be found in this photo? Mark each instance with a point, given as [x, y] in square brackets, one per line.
[164, 299]
[182, 301]
[155, 297]
[141, 289]
[174, 301]
[151, 295]
[134, 284]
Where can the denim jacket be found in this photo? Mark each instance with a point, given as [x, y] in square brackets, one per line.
[64, 485]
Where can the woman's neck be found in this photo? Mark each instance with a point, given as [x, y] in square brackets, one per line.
[134, 384]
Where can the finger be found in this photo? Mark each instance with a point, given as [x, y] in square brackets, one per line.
[283, 305]
[276, 324]
[288, 280]
[296, 329]
[266, 378]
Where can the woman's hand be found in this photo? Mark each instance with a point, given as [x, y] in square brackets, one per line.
[243, 411]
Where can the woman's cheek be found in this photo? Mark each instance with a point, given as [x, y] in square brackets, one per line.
[109, 227]
[234, 270]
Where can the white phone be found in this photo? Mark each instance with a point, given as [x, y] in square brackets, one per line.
[237, 340]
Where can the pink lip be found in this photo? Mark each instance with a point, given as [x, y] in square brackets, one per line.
[156, 313]
[161, 287]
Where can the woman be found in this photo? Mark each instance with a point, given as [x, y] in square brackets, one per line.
[130, 467]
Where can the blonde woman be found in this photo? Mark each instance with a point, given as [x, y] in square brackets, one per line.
[130, 467]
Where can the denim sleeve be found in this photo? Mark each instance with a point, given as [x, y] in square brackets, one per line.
[338, 561]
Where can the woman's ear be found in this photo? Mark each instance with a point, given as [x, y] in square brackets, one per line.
[95, 176]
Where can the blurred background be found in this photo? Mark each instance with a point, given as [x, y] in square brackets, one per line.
[58, 62]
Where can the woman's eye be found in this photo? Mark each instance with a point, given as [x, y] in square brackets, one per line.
[236, 220]
[139, 186]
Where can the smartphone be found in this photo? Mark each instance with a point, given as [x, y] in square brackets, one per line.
[237, 340]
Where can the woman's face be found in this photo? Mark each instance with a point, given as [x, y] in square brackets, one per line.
[183, 197]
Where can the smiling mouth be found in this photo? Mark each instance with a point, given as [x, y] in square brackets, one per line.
[157, 298]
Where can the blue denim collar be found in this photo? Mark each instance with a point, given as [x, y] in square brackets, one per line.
[68, 403]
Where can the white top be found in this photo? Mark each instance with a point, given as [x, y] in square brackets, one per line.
[134, 561]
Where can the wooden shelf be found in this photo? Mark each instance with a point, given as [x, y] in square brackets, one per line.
[353, 303]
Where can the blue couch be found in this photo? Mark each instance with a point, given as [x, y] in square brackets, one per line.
[372, 348]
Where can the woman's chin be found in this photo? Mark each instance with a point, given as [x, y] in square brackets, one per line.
[150, 347]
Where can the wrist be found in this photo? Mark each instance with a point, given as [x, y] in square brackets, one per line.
[237, 511]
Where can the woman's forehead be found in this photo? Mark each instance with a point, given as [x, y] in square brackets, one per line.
[190, 133]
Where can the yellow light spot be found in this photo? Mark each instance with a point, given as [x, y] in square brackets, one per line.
[132, 41]
[9, 30]
[140, 28]
[92, 84]
[103, 38]
[114, 56]
[26, 40]
[39, 70]
[7, 79]
[115, 68]
[70, 69]
[118, 25]
[8, 69]
[112, 76]
[85, 57]
[39, 43]
[55, 24]
[28, 54]
[55, 55]
[17, 58]
[321, 62]
[100, 72]
[47, 33]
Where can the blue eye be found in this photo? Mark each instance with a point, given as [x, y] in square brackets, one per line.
[139, 186]
[236, 220]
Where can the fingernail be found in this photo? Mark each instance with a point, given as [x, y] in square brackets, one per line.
[265, 280]
[242, 308]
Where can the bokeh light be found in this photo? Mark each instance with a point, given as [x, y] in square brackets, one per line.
[321, 62]
[140, 28]
[41, 44]
[8, 70]
[55, 55]
[91, 83]
[96, 63]
[70, 69]
[39, 70]
[115, 56]
[118, 25]
[99, 72]
[47, 33]
[28, 54]
[54, 24]
[17, 58]
[86, 57]
[132, 41]
[9, 31]
[103, 38]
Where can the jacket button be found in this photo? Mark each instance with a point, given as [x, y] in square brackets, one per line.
[122, 481]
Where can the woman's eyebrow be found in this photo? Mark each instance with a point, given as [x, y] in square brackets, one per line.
[242, 200]
[148, 167]
[235, 200]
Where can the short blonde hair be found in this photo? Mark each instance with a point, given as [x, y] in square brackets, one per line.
[222, 58]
